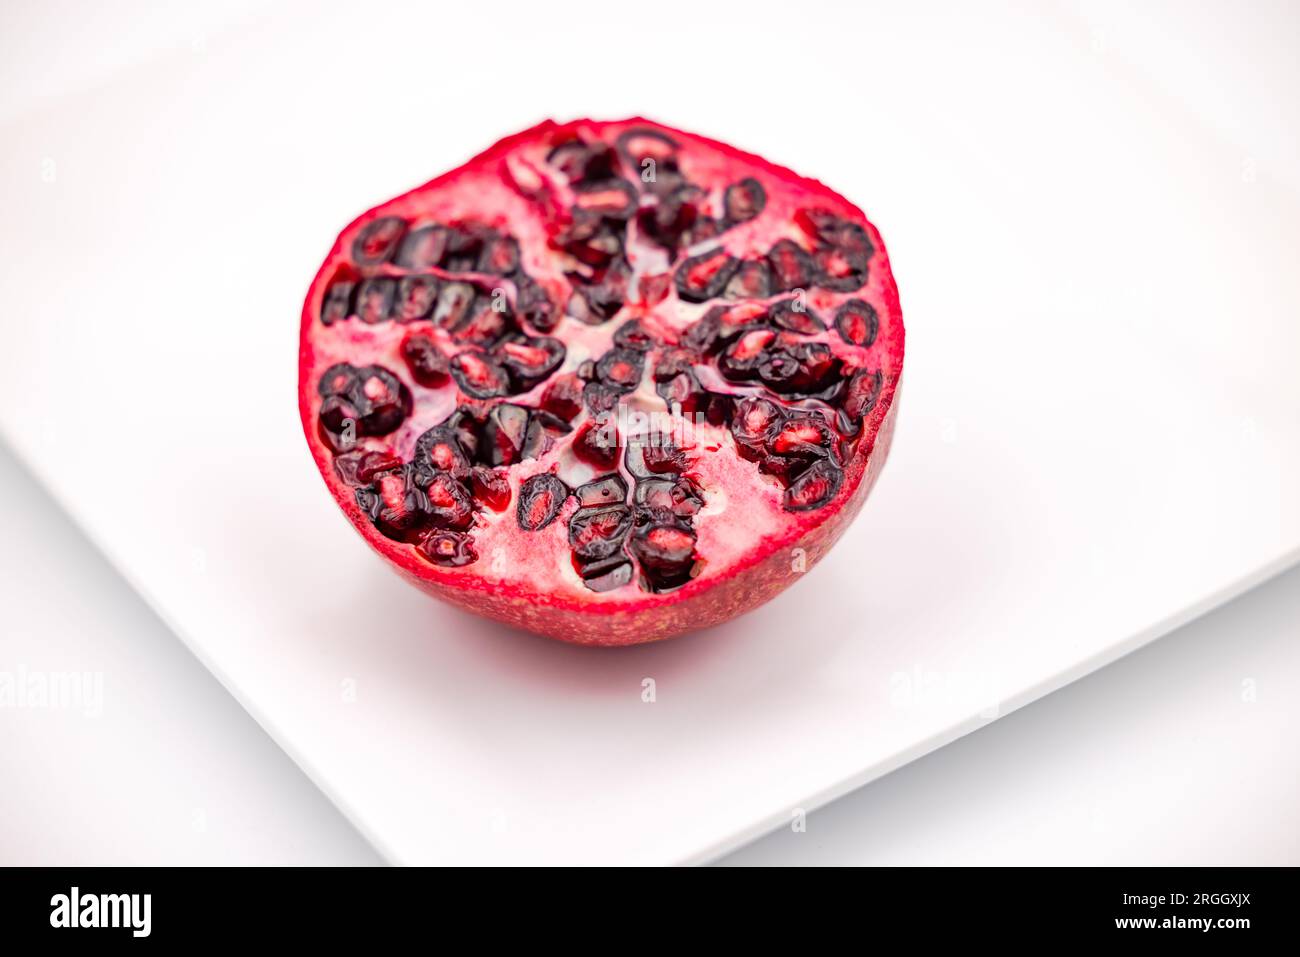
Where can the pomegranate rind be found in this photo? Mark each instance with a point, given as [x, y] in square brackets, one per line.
[769, 564]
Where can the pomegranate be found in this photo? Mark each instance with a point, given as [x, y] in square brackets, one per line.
[608, 381]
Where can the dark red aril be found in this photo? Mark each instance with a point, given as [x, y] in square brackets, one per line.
[503, 435]
[499, 255]
[416, 296]
[382, 401]
[440, 450]
[609, 490]
[793, 316]
[455, 302]
[792, 267]
[450, 503]
[580, 161]
[491, 487]
[802, 435]
[744, 200]
[862, 392]
[449, 549]
[541, 497]
[530, 360]
[612, 198]
[753, 423]
[376, 243]
[375, 300]
[597, 443]
[815, 487]
[599, 533]
[478, 375]
[428, 364]
[857, 322]
[423, 248]
[705, 276]
[360, 467]
[751, 280]
[534, 305]
[396, 505]
[633, 336]
[613, 572]
[665, 553]
[563, 397]
[337, 304]
[621, 369]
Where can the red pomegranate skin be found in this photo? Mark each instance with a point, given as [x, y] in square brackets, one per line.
[749, 548]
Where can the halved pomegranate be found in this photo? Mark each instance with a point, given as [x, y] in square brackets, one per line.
[609, 382]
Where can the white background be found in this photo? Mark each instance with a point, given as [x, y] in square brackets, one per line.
[1243, 96]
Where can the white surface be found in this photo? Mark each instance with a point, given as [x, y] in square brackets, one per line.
[156, 764]
[1182, 754]
[1099, 415]
[1179, 754]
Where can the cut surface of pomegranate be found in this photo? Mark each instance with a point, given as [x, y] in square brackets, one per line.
[608, 381]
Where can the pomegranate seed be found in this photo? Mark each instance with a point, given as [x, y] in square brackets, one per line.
[450, 504]
[439, 450]
[744, 200]
[621, 369]
[337, 380]
[415, 298]
[654, 288]
[814, 488]
[665, 553]
[641, 144]
[862, 392]
[396, 506]
[609, 490]
[375, 300]
[376, 242]
[602, 297]
[579, 161]
[455, 302]
[500, 256]
[792, 267]
[614, 572]
[360, 467]
[491, 487]
[484, 326]
[703, 277]
[428, 363]
[563, 397]
[614, 198]
[479, 376]
[802, 435]
[755, 419]
[337, 304]
[423, 248]
[753, 280]
[535, 306]
[803, 321]
[529, 361]
[451, 549]
[540, 499]
[598, 443]
[633, 336]
[857, 323]
[598, 533]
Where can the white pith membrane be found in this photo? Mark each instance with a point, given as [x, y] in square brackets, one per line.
[742, 506]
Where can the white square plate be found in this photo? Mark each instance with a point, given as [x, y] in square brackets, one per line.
[1097, 438]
